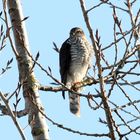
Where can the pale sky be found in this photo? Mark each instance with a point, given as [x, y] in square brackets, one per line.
[48, 22]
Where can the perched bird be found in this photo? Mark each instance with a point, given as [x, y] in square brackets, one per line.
[75, 60]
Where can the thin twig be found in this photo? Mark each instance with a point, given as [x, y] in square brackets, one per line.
[8, 29]
[13, 116]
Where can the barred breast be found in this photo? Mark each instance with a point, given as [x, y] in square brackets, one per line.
[80, 55]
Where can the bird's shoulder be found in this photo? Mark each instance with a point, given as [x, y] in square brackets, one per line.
[65, 58]
[65, 55]
[65, 47]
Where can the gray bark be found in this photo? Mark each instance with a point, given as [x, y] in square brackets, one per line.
[33, 106]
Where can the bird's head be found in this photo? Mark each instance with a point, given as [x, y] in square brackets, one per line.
[76, 31]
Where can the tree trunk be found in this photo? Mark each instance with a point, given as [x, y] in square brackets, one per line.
[33, 106]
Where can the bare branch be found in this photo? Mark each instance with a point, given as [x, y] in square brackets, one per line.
[101, 79]
[13, 116]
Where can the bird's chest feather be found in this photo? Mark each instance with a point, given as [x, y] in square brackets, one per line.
[79, 60]
[79, 53]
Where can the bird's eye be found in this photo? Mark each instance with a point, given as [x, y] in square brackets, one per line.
[78, 32]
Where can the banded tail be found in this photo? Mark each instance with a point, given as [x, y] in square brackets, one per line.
[74, 101]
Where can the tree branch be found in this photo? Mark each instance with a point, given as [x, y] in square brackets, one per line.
[101, 79]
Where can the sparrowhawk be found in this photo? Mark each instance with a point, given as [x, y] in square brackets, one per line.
[75, 60]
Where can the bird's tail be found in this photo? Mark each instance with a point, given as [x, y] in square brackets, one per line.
[74, 100]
